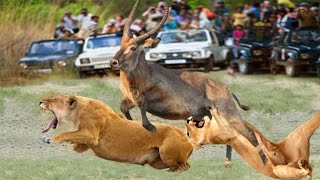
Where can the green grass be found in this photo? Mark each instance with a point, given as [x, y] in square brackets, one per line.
[96, 168]
[274, 94]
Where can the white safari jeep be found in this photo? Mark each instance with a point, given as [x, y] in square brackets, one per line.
[190, 48]
[97, 53]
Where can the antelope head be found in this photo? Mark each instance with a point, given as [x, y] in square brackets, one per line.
[127, 57]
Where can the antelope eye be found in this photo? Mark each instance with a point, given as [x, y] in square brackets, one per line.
[133, 48]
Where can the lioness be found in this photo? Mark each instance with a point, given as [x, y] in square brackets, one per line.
[288, 159]
[111, 137]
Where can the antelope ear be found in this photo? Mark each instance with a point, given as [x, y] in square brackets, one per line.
[72, 102]
[151, 43]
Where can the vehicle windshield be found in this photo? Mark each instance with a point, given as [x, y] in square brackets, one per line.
[104, 41]
[305, 36]
[259, 34]
[183, 37]
[54, 47]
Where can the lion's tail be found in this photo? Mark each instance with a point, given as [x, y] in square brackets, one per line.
[243, 107]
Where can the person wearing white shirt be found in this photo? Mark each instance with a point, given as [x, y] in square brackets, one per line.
[69, 21]
[85, 22]
[93, 26]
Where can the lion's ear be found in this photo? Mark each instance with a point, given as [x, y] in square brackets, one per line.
[72, 102]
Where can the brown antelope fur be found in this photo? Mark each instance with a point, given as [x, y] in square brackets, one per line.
[168, 93]
[110, 137]
[288, 159]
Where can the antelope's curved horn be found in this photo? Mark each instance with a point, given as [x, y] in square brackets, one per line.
[126, 30]
[147, 35]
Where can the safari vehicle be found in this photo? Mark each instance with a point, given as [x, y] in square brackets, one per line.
[298, 51]
[254, 51]
[189, 48]
[49, 55]
[97, 53]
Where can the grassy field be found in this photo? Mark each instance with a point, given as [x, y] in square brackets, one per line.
[278, 104]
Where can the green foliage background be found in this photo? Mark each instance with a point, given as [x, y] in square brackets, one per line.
[40, 10]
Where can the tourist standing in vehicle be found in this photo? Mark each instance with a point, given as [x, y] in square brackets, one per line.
[85, 22]
[152, 17]
[110, 27]
[69, 21]
[238, 17]
[306, 16]
[68, 34]
[238, 34]
[93, 26]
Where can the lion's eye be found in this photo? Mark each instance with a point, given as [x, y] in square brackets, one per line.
[133, 48]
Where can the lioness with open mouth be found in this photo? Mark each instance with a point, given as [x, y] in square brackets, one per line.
[288, 159]
[111, 137]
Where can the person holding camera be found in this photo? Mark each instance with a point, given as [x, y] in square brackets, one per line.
[152, 17]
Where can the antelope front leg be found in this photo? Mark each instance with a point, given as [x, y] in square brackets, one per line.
[227, 162]
[145, 122]
[80, 137]
[125, 107]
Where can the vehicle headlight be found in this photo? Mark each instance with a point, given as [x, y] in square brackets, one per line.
[196, 54]
[24, 65]
[62, 63]
[158, 56]
[187, 55]
[85, 61]
[154, 55]
[257, 52]
[292, 55]
[304, 56]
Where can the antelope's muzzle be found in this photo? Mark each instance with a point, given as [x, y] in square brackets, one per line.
[114, 64]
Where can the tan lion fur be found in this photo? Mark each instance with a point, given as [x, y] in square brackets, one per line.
[288, 159]
[111, 137]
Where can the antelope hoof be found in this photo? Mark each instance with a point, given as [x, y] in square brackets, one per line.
[150, 128]
[227, 163]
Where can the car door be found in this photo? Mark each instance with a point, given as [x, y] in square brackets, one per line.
[216, 48]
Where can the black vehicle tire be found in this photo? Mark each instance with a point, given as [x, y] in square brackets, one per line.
[227, 62]
[318, 72]
[81, 75]
[208, 67]
[243, 66]
[290, 69]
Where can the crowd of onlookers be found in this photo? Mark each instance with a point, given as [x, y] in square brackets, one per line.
[275, 18]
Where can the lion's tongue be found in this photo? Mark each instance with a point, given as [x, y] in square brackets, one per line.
[53, 124]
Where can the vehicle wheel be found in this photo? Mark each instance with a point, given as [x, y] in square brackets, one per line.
[318, 72]
[290, 69]
[208, 67]
[227, 62]
[81, 74]
[244, 66]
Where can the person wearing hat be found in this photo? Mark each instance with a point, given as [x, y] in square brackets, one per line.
[69, 21]
[110, 27]
[306, 16]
